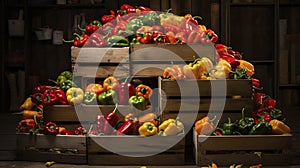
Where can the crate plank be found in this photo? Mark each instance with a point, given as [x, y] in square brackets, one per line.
[101, 71]
[37, 148]
[143, 147]
[233, 149]
[103, 55]
[241, 87]
[152, 59]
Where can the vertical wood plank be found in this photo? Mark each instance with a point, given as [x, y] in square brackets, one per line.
[155, 5]
[165, 5]
[202, 8]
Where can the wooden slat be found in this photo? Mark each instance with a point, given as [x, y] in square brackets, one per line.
[241, 88]
[120, 70]
[229, 149]
[247, 159]
[205, 104]
[7, 155]
[35, 148]
[138, 150]
[169, 52]
[101, 55]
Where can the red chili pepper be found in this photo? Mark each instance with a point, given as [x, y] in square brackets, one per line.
[128, 128]
[80, 130]
[112, 120]
[108, 18]
[144, 9]
[211, 35]
[51, 128]
[125, 91]
[266, 117]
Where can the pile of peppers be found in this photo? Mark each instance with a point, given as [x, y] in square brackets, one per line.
[141, 24]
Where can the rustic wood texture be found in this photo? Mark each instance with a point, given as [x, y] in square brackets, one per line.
[98, 155]
[152, 59]
[36, 148]
[225, 145]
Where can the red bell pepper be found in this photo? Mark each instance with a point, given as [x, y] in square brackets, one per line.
[192, 19]
[143, 9]
[125, 91]
[79, 40]
[194, 37]
[89, 29]
[259, 98]
[145, 37]
[270, 103]
[51, 128]
[256, 84]
[41, 88]
[97, 40]
[126, 9]
[112, 120]
[80, 130]
[55, 95]
[108, 18]
[211, 35]
[100, 123]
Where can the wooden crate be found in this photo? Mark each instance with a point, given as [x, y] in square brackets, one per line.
[58, 148]
[243, 149]
[100, 62]
[152, 59]
[229, 96]
[85, 115]
[130, 147]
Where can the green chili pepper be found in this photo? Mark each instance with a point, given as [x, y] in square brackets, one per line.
[90, 98]
[96, 23]
[229, 128]
[261, 128]
[137, 104]
[150, 19]
[118, 41]
[245, 124]
[109, 97]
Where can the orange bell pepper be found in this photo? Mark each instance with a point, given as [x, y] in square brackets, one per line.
[110, 83]
[204, 126]
[144, 90]
[95, 87]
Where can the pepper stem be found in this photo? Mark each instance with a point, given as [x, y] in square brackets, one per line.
[197, 17]
[243, 114]
[115, 109]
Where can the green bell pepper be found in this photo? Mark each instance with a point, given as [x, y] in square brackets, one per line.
[137, 104]
[245, 124]
[110, 97]
[67, 84]
[229, 128]
[133, 25]
[261, 128]
[90, 98]
[118, 41]
[150, 19]
[67, 74]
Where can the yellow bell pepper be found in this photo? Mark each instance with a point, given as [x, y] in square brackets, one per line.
[147, 129]
[198, 68]
[169, 19]
[248, 66]
[221, 70]
[74, 95]
[279, 127]
[171, 127]
[202, 28]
